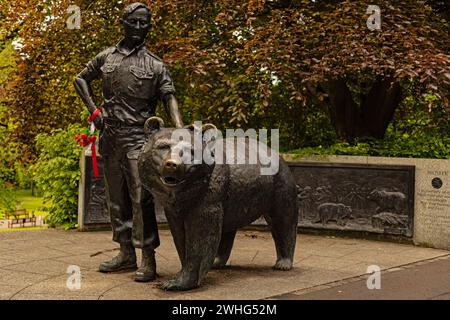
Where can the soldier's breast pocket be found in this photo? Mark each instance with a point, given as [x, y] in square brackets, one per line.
[142, 84]
[107, 78]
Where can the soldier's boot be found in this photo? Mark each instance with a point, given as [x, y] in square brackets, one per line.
[147, 271]
[125, 260]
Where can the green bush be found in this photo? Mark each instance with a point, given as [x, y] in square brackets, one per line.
[58, 174]
[428, 145]
[8, 199]
[7, 156]
[23, 175]
[6, 170]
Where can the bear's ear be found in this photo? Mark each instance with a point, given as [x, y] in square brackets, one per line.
[192, 127]
[209, 132]
[153, 124]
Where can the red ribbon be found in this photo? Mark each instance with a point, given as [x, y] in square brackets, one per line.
[94, 114]
[94, 157]
[84, 140]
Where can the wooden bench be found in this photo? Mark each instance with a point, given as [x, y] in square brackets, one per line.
[20, 217]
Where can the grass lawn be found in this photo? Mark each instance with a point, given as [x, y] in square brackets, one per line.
[31, 203]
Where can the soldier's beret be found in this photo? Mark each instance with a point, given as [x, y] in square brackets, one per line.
[133, 7]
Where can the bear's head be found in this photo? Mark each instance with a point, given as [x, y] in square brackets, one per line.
[374, 195]
[169, 163]
[345, 211]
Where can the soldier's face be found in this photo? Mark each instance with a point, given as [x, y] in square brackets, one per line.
[137, 25]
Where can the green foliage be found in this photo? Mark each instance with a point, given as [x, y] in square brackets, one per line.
[397, 146]
[58, 174]
[6, 170]
[8, 155]
[416, 132]
[8, 199]
[23, 175]
[8, 149]
[7, 62]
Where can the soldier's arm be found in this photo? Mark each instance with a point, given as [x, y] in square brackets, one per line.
[167, 95]
[171, 106]
[84, 79]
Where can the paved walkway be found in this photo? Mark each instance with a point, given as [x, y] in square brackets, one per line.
[425, 280]
[33, 265]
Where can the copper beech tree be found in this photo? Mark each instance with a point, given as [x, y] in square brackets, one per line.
[240, 63]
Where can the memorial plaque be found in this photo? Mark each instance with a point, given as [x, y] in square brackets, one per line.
[371, 198]
[433, 193]
[92, 207]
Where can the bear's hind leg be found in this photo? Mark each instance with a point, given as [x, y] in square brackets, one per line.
[285, 246]
[225, 246]
[284, 233]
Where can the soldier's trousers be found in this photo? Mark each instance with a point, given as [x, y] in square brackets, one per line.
[130, 206]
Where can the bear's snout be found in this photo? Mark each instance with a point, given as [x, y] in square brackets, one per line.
[172, 164]
[172, 171]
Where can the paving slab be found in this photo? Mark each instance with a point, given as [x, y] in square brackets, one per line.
[34, 266]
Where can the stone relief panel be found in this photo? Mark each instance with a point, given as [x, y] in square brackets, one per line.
[370, 198]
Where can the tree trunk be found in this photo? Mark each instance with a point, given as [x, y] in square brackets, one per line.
[372, 118]
[343, 110]
[378, 107]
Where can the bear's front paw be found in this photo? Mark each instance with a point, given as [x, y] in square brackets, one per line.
[177, 284]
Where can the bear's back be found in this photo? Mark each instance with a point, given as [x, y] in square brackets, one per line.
[248, 193]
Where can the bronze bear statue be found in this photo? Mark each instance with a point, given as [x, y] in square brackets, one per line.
[205, 203]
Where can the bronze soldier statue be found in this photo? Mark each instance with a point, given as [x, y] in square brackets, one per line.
[133, 80]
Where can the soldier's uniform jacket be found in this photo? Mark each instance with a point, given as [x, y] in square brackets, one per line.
[132, 83]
